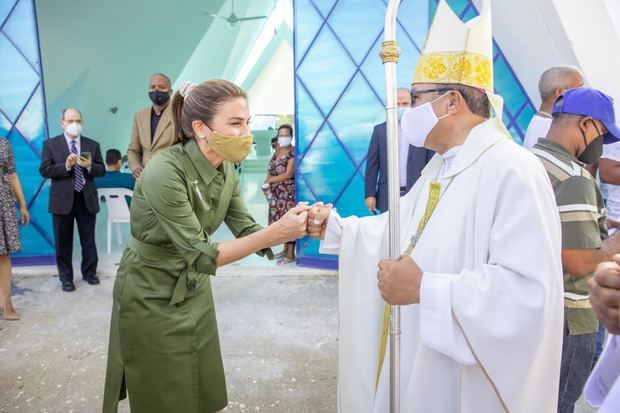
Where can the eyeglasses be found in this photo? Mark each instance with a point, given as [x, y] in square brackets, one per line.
[419, 92]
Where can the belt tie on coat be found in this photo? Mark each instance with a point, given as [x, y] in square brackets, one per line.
[188, 278]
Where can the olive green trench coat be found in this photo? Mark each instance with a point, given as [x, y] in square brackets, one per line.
[164, 348]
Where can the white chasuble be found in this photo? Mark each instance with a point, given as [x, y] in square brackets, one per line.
[487, 334]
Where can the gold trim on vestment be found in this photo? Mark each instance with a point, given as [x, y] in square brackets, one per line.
[434, 193]
[464, 68]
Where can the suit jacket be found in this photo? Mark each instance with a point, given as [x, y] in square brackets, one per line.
[141, 148]
[55, 152]
[376, 166]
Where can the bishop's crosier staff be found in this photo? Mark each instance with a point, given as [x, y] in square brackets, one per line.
[389, 54]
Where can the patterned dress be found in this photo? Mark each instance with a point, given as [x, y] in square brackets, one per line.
[9, 228]
[282, 193]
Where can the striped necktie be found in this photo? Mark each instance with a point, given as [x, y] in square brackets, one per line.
[78, 173]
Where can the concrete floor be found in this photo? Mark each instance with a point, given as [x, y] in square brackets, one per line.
[277, 329]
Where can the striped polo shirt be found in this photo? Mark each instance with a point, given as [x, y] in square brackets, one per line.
[582, 213]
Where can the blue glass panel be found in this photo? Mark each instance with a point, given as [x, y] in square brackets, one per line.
[309, 119]
[525, 117]
[357, 30]
[324, 6]
[35, 240]
[27, 160]
[307, 23]
[31, 124]
[21, 29]
[5, 126]
[373, 67]
[352, 199]
[413, 15]
[515, 135]
[5, 8]
[374, 72]
[326, 56]
[354, 117]
[311, 249]
[470, 13]
[17, 79]
[22, 119]
[513, 95]
[459, 5]
[409, 55]
[326, 166]
[43, 242]
[303, 192]
[362, 168]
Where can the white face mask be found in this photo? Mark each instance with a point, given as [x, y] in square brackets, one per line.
[73, 129]
[284, 141]
[400, 112]
[418, 122]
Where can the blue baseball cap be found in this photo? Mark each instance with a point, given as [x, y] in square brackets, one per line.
[587, 101]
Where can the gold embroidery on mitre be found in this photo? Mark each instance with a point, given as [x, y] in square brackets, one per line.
[455, 67]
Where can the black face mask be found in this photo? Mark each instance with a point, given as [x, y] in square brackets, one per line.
[159, 97]
[594, 150]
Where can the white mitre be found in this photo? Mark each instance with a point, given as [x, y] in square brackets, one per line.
[457, 52]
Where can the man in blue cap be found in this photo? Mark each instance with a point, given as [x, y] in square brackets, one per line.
[583, 120]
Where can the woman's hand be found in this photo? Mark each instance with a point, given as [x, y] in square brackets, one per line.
[24, 215]
[292, 225]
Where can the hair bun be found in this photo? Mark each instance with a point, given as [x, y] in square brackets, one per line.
[186, 87]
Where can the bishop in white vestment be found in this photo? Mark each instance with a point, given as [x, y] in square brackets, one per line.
[483, 332]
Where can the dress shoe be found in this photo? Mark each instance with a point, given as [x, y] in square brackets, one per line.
[68, 286]
[94, 280]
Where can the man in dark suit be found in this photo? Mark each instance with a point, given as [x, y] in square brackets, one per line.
[412, 161]
[72, 162]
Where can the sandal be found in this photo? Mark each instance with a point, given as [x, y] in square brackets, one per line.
[284, 260]
[279, 255]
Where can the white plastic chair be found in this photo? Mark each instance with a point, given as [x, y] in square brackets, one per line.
[118, 211]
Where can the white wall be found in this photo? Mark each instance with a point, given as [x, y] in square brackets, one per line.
[531, 35]
[273, 91]
[595, 42]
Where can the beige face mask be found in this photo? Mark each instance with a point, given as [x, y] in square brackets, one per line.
[231, 148]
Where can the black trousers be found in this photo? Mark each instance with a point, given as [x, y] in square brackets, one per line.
[63, 236]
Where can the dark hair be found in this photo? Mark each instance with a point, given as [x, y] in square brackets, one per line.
[286, 126]
[201, 103]
[112, 156]
[161, 75]
[561, 118]
[476, 100]
[274, 140]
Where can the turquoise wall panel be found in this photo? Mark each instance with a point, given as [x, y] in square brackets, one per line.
[23, 121]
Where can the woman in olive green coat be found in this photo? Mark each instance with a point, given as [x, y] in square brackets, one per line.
[164, 348]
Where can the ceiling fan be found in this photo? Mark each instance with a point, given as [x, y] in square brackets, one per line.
[233, 19]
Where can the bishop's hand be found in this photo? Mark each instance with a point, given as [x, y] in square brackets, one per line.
[400, 281]
[318, 215]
